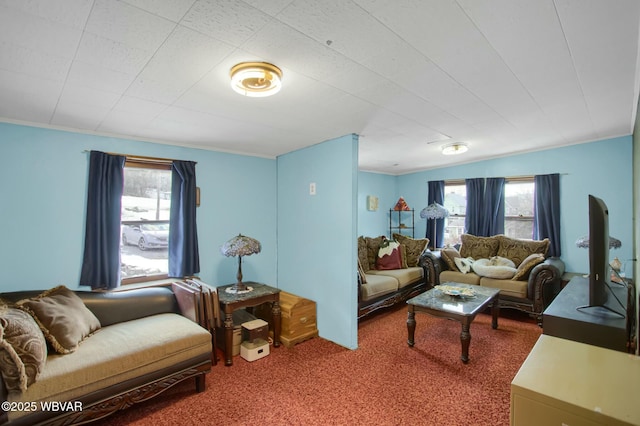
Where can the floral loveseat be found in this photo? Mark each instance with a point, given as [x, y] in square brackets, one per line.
[389, 271]
[70, 357]
[527, 278]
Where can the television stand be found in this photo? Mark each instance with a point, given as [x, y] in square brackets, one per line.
[601, 310]
[570, 317]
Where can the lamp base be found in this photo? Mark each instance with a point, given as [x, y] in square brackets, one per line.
[239, 287]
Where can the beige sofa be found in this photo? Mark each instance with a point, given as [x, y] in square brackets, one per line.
[141, 347]
[529, 285]
[381, 288]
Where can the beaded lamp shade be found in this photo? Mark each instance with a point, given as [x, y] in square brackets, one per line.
[240, 245]
[432, 212]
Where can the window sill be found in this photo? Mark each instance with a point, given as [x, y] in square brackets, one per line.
[164, 282]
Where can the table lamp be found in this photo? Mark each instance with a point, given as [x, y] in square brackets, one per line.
[240, 245]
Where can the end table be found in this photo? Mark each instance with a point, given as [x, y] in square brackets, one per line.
[260, 294]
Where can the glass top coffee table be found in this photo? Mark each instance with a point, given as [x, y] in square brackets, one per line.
[460, 302]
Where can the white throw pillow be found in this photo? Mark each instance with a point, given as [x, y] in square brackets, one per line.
[501, 261]
[464, 264]
[484, 268]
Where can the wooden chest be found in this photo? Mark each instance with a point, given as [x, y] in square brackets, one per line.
[299, 321]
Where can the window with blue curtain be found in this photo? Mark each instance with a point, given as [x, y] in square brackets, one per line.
[493, 207]
[435, 195]
[546, 220]
[474, 221]
[101, 260]
[506, 206]
[149, 220]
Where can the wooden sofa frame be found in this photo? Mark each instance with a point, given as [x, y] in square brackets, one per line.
[366, 308]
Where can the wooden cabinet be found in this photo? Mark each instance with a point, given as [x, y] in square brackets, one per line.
[563, 382]
[401, 222]
[299, 321]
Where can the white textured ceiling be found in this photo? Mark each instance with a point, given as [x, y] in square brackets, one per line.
[408, 76]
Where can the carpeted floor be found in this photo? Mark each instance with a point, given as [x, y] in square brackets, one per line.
[384, 382]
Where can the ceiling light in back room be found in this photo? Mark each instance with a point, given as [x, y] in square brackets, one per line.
[455, 148]
[256, 79]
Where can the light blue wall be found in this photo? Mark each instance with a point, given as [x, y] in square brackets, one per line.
[317, 233]
[385, 187]
[43, 183]
[602, 168]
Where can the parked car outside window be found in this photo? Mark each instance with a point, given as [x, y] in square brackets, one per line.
[146, 236]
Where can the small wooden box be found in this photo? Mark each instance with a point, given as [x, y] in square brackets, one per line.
[299, 322]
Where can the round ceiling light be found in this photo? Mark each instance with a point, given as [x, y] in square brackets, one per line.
[455, 148]
[256, 79]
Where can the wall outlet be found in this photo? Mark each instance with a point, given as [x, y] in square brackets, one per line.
[312, 188]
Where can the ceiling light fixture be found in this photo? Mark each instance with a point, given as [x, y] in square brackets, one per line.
[256, 79]
[455, 148]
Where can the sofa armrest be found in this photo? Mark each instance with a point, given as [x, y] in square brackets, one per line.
[432, 265]
[545, 282]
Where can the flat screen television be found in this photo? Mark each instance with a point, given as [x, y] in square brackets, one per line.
[599, 286]
[598, 251]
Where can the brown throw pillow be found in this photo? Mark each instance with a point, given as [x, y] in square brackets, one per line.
[362, 254]
[414, 247]
[373, 245]
[403, 256]
[23, 350]
[517, 249]
[363, 275]
[479, 247]
[62, 317]
[449, 255]
[523, 271]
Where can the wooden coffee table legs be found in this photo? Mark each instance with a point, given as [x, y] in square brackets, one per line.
[465, 339]
[411, 325]
[465, 321]
[465, 334]
[495, 313]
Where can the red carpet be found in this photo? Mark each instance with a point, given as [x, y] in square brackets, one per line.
[384, 382]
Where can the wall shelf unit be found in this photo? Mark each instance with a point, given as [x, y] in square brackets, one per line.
[401, 222]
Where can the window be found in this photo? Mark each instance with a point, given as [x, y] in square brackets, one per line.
[455, 201]
[519, 198]
[518, 207]
[145, 207]
[144, 221]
